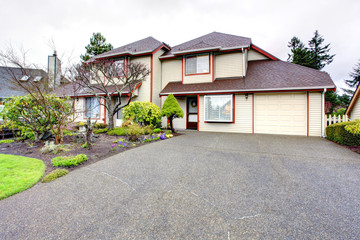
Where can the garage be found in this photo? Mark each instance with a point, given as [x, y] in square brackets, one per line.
[280, 113]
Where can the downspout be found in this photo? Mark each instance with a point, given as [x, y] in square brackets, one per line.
[323, 113]
[243, 63]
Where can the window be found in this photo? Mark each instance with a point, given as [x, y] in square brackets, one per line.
[123, 102]
[197, 64]
[218, 108]
[92, 107]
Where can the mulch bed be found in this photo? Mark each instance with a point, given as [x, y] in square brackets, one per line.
[353, 148]
[100, 150]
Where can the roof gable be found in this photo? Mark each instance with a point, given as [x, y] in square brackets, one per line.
[146, 45]
[211, 41]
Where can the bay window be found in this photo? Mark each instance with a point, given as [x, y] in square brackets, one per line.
[197, 64]
[218, 108]
[92, 107]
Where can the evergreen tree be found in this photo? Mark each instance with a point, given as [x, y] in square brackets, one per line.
[299, 53]
[319, 54]
[355, 81]
[171, 109]
[315, 56]
[96, 46]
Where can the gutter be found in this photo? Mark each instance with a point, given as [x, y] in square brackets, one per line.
[249, 90]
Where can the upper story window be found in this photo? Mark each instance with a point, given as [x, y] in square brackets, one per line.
[198, 64]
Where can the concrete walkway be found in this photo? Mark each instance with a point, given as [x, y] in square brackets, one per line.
[199, 186]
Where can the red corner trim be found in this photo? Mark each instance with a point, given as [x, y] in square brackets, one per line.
[307, 93]
[198, 120]
[233, 108]
[104, 111]
[151, 78]
[182, 70]
[213, 66]
[256, 48]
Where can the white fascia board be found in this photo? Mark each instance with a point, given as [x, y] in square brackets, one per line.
[249, 90]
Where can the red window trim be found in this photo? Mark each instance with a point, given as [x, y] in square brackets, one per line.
[192, 74]
[84, 115]
[233, 111]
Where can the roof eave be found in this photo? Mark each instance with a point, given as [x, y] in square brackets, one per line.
[252, 90]
[353, 101]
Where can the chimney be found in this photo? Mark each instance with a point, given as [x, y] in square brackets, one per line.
[54, 70]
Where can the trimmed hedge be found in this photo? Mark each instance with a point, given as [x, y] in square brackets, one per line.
[69, 161]
[337, 133]
[54, 175]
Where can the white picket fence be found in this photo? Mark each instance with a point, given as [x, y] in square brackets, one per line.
[335, 119]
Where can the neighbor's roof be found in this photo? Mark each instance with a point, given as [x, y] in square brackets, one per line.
[211, 41]
[266, 75]
[9, 89]
[73, 90]
[353, 100]
[143, 46]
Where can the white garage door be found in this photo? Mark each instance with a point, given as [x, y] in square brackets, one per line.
[281, 113]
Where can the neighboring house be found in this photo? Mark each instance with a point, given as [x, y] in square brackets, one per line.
[224, 83]
[353, 110]
[9, 89]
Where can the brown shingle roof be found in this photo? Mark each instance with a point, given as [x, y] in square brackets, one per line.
[145, 45]
[73, 89]
[211, 40]
[261, 76]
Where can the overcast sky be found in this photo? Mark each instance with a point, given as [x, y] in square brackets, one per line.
[270, 25]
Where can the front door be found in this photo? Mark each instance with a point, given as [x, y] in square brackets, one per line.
[191, 113]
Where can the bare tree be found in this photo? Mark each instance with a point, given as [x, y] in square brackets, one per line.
[106, 79]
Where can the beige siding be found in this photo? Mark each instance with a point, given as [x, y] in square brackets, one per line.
[281, 113]
[229, 65]
[144, 90]
[171, 72]
[314, 114]
[355, 113]
[243, 117]
[198, 78]
[255, 55]
[156, 77]
[179, 123]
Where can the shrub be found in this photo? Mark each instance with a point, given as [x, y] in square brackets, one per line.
[143, 113]
[100, 125]
[157, 130]
[338, 133]
[50, 147]
[6, 141]
[54, 175]
[171, 109]
[100, 130]
[68, 161]
[117, 132]
[353, 128]
[134, 131]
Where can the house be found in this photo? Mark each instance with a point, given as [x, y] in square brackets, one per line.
[225, 83]
[9, 89]
[353, 110]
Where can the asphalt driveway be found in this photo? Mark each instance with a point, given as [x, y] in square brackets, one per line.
[199, 186]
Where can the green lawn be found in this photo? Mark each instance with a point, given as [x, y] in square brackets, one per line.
[18, 173]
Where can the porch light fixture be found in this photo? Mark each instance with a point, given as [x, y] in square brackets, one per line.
[246, 96]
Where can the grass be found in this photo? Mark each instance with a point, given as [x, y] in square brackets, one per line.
[18, 173]
[6, 141]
